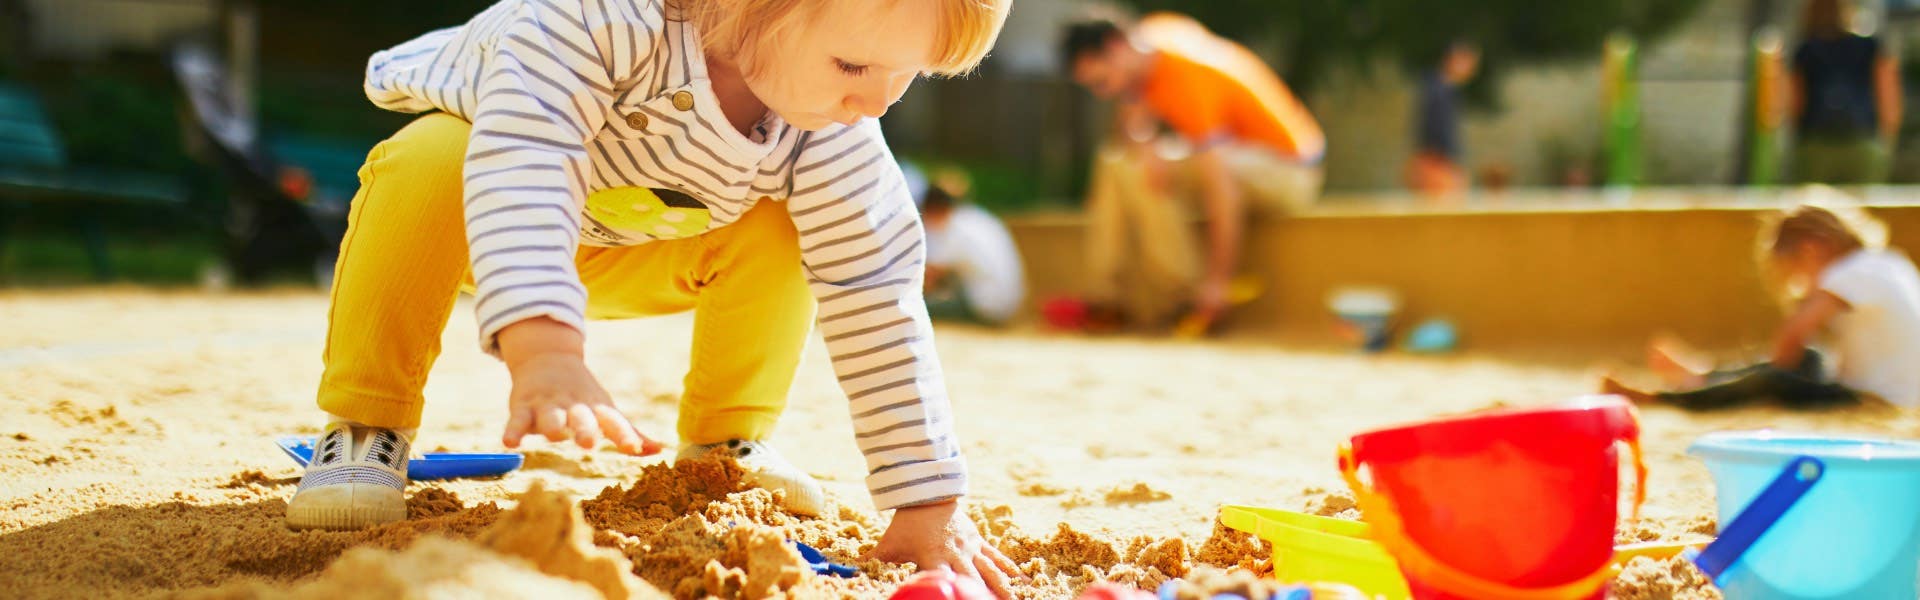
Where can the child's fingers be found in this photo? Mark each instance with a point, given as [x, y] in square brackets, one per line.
[618, 429]
[551, 421]
[990, 573]
[586, 428]
[1007, 565]
[519, 421]
[961, 567]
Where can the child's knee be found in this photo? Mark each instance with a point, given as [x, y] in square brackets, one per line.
[430, 151]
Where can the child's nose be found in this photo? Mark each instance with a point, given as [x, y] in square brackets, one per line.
[867, 106]
[873, 102]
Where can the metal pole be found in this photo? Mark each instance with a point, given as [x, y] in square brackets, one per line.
[1758, 13]
[243, 62]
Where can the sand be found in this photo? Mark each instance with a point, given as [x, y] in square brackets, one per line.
[136, 460]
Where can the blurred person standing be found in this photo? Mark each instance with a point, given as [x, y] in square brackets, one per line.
[1845, 99]
[1247, 141]
[1435, 169]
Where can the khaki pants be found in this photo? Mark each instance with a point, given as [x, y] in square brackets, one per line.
[1142, 252]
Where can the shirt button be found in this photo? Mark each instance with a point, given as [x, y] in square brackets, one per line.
[683, 100]
[637, 120]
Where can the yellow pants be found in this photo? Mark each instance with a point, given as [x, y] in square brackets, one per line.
[404, 262]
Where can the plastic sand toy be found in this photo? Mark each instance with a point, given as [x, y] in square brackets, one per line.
[1366, 315]
[434, 465]
[1855, 535]
[942, 585]
[819, 563]
[1312, 548]
[1517, 504]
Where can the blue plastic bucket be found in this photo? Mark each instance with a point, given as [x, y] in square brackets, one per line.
[1856, 535]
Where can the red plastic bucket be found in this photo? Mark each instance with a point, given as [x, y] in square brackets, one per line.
[1505, 505]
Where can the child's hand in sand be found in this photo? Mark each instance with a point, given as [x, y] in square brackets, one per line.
[554, 394]
[941, 535]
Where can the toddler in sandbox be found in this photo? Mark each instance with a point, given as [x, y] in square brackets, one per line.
[1863, 294]
[620, 158]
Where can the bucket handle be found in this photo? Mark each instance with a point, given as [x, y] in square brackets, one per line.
[1639, 476]
[1385, 518]
[1760, 514]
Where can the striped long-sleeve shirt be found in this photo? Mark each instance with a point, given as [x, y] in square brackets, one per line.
[573, 101]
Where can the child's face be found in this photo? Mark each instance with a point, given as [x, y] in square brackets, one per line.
[1803, 262]
[1462, 64]
[850, 62]
[1108, 72]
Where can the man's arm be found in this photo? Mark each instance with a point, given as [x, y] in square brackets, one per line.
[1886, 88]
[1138, 129]
[1225, 206]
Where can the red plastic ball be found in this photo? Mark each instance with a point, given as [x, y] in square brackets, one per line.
[1065, 313]
[942, 585]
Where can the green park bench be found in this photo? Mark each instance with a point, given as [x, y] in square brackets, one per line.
[34, 169]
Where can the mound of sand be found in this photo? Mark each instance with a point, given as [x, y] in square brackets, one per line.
[432, 567]
[540, 548]
[546, 529]
[693, 529]
[1673, 578]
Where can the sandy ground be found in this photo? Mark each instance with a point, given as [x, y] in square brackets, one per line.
[136, 457]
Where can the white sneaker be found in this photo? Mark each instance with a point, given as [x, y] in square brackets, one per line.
[357, 479]
[766, 469]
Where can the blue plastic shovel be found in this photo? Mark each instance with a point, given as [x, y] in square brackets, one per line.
[435, 465]
[819, 563]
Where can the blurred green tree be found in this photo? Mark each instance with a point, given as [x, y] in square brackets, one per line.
[1318, 36]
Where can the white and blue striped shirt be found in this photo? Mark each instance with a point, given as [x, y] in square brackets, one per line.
[574, 102]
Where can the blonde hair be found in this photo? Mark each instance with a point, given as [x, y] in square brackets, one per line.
[747, 31]
[1827, 219]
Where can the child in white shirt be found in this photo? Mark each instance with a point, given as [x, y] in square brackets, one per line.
[1864, 295]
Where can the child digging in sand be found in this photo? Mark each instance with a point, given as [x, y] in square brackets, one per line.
[1865, 295]
[623, 158]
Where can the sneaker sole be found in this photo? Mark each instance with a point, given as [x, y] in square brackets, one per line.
[343, 518]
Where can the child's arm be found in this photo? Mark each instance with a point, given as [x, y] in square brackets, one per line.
[864, 251]
[539, 99]
[1790, 345]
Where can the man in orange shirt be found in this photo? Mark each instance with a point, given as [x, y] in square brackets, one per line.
[1243, 140]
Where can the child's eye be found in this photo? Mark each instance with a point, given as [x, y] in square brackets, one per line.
[850, 68]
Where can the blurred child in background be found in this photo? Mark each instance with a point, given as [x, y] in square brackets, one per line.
[1864, 295]
[1435, 170]
[973, 268]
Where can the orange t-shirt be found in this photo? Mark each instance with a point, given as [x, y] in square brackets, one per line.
[1207, 87]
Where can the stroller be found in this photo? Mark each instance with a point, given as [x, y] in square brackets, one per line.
[276, 219]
